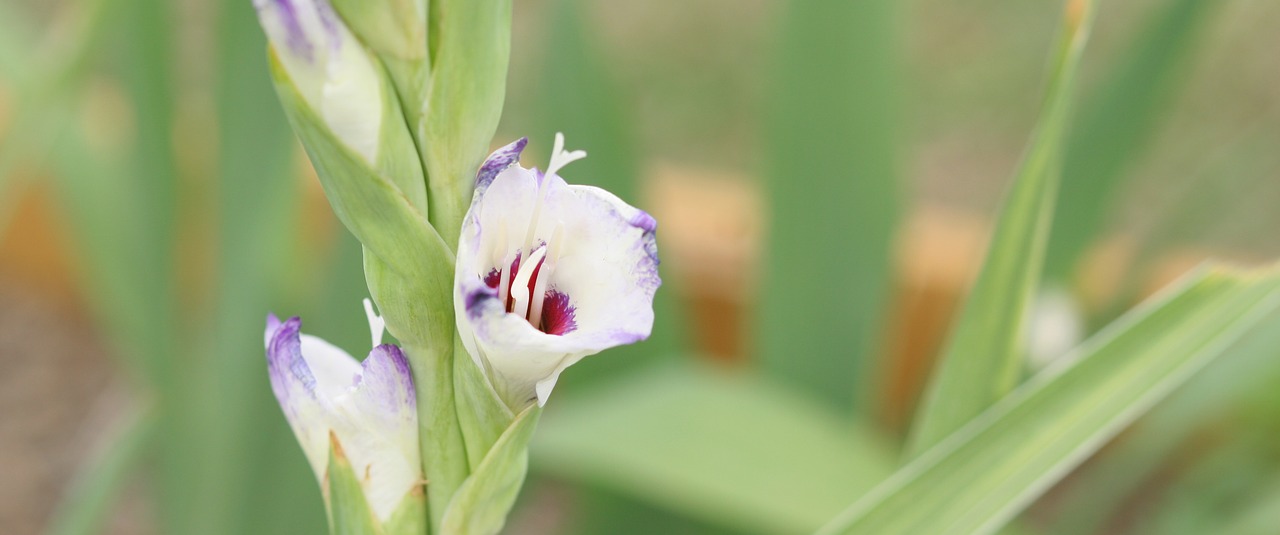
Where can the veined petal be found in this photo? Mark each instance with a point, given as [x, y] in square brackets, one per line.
[370, 407]
[589, 282]
[498, 162]
[329, 67]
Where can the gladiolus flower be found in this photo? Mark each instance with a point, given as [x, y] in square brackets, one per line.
[548, 273]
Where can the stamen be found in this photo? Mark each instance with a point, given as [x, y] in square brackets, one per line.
[505, 275]
[539, 196]
[521, 282]
[376, 323]
[548, 266]
[560, 157]
[555, 243]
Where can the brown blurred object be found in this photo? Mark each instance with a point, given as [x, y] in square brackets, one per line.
[1103, 270]
[34, 248]
[938, 254]
[58, 393]
[56, 377]
[711, 225]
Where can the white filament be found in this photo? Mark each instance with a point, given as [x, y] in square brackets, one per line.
[376, 324]
[561, 157]
[521, 282]
[516, 284]
[548, 266]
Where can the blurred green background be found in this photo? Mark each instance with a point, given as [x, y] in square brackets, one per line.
[824, 174]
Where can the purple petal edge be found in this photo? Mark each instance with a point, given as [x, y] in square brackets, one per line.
[296, 39]
[498, 161]
[643, 221]
[385, 376]
[290, 376]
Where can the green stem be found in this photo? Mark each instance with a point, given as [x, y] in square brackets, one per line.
[444, 457]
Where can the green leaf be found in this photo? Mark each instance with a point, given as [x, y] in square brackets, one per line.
[1258, 516]
[349, 512]
[1119, 123]
[395, 28]
[983, 359]
[481, 505]
[256, 189]
[983, 474]
[470, 45]
[410, 517]
[43, 80]
[17, 40]
[833, 170]
[1102, 491]
[84, 508]
[732, 449]
[370, 203]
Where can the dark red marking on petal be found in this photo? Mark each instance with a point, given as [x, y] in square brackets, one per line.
[558, 315]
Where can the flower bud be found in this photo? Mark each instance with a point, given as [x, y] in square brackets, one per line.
[329, 68]
[362, 415]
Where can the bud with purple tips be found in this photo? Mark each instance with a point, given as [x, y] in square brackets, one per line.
[328, 67]
[361, 414]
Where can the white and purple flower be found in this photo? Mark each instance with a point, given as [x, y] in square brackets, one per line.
[548, 273]
[329, 67]
[369, 408]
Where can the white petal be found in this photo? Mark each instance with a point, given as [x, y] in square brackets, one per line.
[351, 101]
[377, 424]
[335, 371]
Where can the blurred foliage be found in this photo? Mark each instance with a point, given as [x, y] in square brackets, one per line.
[179, 181]
[1119, 122]
[984, 357]
[833, 174]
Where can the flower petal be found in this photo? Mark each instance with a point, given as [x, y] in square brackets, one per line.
[377, 424]
[498, 162]
[295, 387]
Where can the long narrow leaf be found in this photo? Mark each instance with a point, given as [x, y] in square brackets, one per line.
[833, 171]
[979, 477]
[1117, 124]
[1095, 496]
[982, 361]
